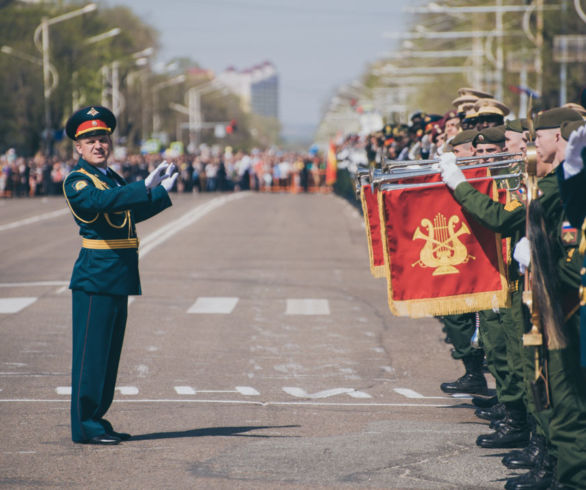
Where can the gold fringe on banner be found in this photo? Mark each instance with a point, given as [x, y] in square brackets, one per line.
[377, 271]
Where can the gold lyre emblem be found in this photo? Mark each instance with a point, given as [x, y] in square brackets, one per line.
[442, 250]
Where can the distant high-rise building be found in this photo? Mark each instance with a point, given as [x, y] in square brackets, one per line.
[257, 87]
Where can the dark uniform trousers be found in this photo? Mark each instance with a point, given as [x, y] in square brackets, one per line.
[106, 209]
[509, 220]
[99, 321]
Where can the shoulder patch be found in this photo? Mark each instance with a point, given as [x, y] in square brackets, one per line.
[569, 234]
[80, 185]
[512, 205]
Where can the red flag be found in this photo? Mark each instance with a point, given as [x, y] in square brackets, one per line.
[439, 260]
[331, 165]
[373, 231]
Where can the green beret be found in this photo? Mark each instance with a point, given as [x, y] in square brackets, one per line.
[554, 118]
[568, 127]
[463, 137]
[494, 135]
[90, 121]
[514, 125]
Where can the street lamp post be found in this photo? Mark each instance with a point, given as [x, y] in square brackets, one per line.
[41, 39]
[167, 83]
[76, 99]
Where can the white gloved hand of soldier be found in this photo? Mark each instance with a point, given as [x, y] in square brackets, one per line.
[156, 176]
[574, 163]
[451, 174]
[170, 177]
[522, 254]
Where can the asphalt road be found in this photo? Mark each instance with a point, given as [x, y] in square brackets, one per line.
[261, 355]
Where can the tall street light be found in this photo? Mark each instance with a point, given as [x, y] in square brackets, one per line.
[76, 98]
[167, 83]
[41, 39]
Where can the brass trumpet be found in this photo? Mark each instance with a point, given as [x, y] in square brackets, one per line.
[461, 160]
[394, 170]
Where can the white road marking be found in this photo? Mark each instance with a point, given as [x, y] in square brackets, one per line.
[301, 393]
[241, 402]
[167, 231]
[406, 392]
[127, 390]
[243, 390]
[184, 390]
[247, 391]
[307, 307]
[61, 290]
[63, 390]
[216, 305]
[34, 219]
[14, 305]
[33, 284]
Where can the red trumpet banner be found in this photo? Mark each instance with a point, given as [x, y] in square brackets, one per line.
[439, 260]
[373, 231]
[370, 209]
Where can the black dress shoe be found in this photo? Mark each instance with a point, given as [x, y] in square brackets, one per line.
[104, 440]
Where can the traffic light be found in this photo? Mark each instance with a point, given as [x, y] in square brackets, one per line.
[232, 127]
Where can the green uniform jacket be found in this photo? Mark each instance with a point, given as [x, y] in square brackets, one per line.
[509, 221]
[106, 208]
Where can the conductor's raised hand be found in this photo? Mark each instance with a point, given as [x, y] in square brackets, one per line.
[156, 176]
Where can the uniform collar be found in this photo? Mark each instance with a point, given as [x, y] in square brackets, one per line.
[108, 178]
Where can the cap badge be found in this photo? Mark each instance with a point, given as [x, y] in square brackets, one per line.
[92, 112]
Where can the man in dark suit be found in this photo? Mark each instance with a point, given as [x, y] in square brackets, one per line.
[106, 209]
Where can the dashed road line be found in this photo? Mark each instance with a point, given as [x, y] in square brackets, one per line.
[213, 305]
[301, 393]
[127, 390]
[14, 305]
[406, 392]
[243, 390]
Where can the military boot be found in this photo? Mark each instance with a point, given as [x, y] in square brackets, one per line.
[541, 477]
[482, 402]
[473, 381]
[527, 457]
[496, 412]
[512, 431]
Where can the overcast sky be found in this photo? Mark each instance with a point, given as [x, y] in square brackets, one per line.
[315, 45]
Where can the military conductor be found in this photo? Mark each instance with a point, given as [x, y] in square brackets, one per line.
[106, 209]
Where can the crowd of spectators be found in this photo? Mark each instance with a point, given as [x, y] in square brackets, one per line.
[210, 170]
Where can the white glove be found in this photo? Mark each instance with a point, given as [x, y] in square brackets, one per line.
[451, 174]
[522, 254]
[156, 176]
[170, 177]
[576, 144]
